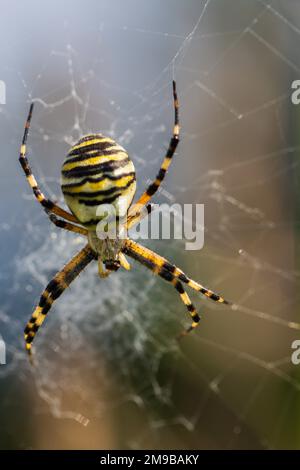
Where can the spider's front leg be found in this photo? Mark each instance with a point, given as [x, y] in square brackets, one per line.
[47, 204]
[153, 187]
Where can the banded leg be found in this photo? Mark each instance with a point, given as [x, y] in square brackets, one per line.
[47, 204]
[53, 290]
[67, 225]
[140, 214]
[166, 270]
[153, 187]
[190, 307]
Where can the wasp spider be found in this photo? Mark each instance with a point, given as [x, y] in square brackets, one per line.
[98, 171]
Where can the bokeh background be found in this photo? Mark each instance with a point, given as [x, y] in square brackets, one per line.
[108, 371]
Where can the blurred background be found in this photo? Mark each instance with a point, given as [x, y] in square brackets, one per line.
[108, 371]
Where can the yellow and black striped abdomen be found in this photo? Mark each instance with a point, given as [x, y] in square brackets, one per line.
[97, 171]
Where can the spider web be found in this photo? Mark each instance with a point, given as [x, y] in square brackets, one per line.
[108, 371]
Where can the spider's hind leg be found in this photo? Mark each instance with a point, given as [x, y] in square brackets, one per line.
[54, 289]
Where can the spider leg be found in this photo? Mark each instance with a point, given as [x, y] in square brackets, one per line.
[153, 187]
[124, 262]
[67, 225]
[166, 270]
[53, 290]
[190, 307]
[47, 204]
[141, 213]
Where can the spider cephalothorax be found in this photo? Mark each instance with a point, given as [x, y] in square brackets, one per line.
[108, 250]
[98, 172]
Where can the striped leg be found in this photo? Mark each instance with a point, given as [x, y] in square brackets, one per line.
[190, 307]
[151, 190]
[67, 225]
[54, 289]
[166, 270]
[140, 214]
[47, 204]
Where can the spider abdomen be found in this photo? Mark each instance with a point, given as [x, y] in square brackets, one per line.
[97, 171]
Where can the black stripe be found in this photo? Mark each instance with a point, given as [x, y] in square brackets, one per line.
[58, 222]
[196, 318]
[161, 174]
[96, 221]
[108, 176]
[166, 275]
[43, 299]
[169, 267]
[183, 278]
[55, 288]
[146, 262]
[172, 147]
[36, 191]
[152, 189]
[107, 200]
[29, 339]
[47, 204]
[85, 156]
[179, 288]
[89, 170]
[88, 148]
[25, 166]
[102, 192]
[27, 124]
[215, 297]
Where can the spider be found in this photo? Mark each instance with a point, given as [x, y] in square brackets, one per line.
[98, 171]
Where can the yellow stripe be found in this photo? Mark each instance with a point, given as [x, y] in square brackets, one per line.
[94, 161]
[103, 197]
[166, 164]
[31, 180]
[185, 298]
[91, 142]
[96, 151]
[176, 127]
[128, 168]
[99, 185]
